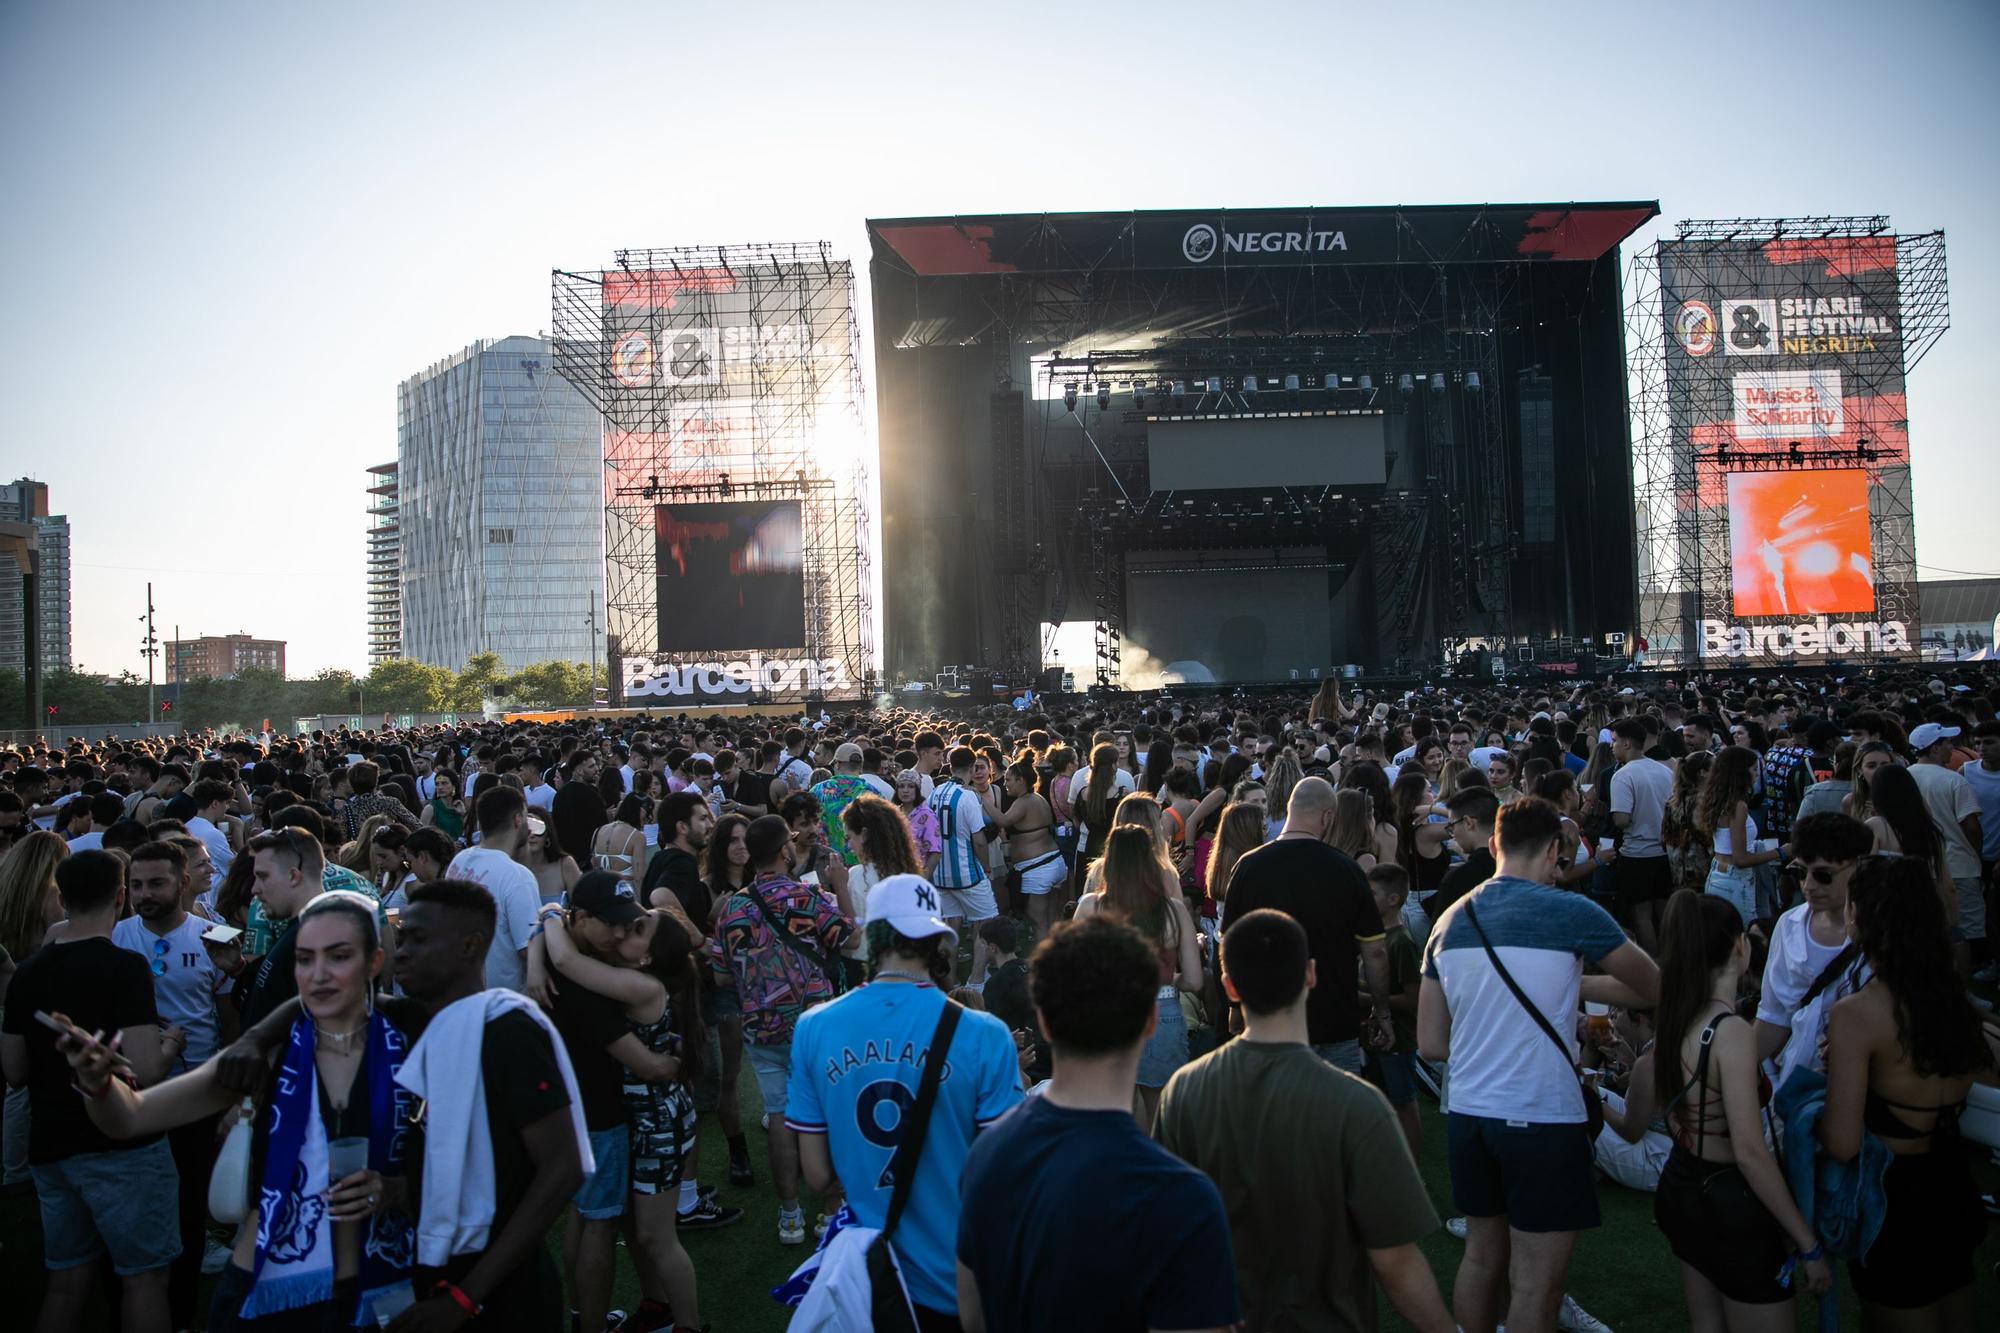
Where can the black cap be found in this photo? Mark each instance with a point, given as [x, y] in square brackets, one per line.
[603, 896]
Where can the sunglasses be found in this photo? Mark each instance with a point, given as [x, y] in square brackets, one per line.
[158, 962]
[1817, 874]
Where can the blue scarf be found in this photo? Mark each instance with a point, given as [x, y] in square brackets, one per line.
[293, 1267]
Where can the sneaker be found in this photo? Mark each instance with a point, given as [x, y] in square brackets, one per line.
[214, 1257]
[740, 1173]
[643, 1320]
[1456, 1226]
[1573, 1318]
[791, 1227]
[613, 1320]
[819, 1227]
[707, 1216]
[1991, 972]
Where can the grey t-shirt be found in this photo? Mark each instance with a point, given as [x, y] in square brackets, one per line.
[1641, 789]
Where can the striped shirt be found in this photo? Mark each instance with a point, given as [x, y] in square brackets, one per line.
[959, 816]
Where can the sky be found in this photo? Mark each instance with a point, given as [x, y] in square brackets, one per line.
[232, 229]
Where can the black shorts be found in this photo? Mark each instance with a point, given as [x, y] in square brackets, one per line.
[1642, 879]
[1719, 1228]
[1540, 1177]
[1923, 1252]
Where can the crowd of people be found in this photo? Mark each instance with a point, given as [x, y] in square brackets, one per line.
[1088, 1014]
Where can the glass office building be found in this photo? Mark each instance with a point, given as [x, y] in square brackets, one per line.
[500, 510]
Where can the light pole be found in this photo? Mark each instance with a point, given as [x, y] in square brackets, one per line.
[590, 622]
[149, 648]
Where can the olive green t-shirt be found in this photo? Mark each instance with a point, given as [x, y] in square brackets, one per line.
[1313, 1171]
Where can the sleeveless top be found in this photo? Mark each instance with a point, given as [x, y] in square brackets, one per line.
[645, 1101]
[1725, 846]
[618, 863]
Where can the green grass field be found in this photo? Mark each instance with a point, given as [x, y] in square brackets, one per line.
[1622, 1273]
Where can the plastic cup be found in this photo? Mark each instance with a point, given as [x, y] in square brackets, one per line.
[1605, 844]
[344, 1157]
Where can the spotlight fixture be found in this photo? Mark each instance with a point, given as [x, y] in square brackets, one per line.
[1437, 382]
[1249, 384]
[1138, 395]
[1472, 381]
[1291, 384]
[1214, 384]
[1366, 384]
[1179, 393]
[1069, 396]
[1405, 384]
[1104, 395]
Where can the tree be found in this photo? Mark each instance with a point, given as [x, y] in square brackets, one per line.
[404, 686]
[550, 685]
[478, 680]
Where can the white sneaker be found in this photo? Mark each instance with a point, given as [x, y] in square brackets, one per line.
[214, 1256]
[1456, 1226]
[791, 1227]
[1575, 1319]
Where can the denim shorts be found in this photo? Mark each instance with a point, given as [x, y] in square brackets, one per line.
[1341, 1054]
[1167, 1049]
[1735, 885]
[1395, 1074]
[601, 1197]
[125, 1202]
[772, 1068]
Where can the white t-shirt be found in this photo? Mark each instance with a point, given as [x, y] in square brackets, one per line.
[1483, 756]
[1641, 789]
[541, 796]
[1985, 789]
[516, 898]
[1795, 962]
[1503, 1065]
[877, 785]
[1948, 797]
[185, 981]
[220, 855]
[92, 841]
[796, 772]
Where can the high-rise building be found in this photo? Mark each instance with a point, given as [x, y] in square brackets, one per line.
[385, 566]
[499, 509]
[221, 656]
[26, 501]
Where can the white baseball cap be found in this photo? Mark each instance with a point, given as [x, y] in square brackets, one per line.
[1928, 734]
[911, 904]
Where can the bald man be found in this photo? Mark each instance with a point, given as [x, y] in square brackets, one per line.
[1325, 892]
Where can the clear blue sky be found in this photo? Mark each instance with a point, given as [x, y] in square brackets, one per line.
[233, 228]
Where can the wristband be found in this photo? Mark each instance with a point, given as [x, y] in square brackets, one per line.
[1814, 1255]
[464, 1302]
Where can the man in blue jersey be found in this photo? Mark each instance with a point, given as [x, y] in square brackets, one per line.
[961, 874]
[856, 1064]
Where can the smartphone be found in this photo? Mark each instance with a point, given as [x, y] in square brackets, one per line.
[221, 934]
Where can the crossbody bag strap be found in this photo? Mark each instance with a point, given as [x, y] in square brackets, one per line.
[1541, 1019]
[917, 1124]
[797, 945]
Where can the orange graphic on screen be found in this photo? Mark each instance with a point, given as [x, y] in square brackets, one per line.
[1798, 543]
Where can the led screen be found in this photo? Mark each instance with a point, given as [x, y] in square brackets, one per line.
[1798, 543]
[732, 576]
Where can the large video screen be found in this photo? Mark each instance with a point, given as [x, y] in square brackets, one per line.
[1188, 625]
[732, 576]
[1231, 453]
[1799, 544]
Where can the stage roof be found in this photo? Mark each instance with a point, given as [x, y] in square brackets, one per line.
[1256, 238]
